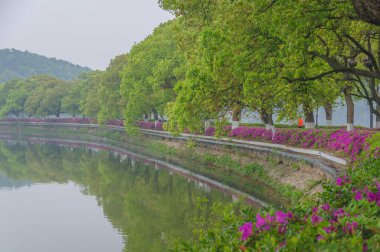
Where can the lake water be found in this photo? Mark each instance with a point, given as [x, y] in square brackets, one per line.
[75, 198]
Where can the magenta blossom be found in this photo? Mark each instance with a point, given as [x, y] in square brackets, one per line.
[320, 237]
[281, 217]
[329, 229]
[260, 221]
[339, 213]
[365, 247]
[339, 181]
[264, 223]
[270, 218]
[282, 229]
[325, 207]
[371, 197]
[350, 227]
[289, 215]
[315, 219]
[358, 196]
[246, 230]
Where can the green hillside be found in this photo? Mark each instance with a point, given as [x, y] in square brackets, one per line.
[18, 64]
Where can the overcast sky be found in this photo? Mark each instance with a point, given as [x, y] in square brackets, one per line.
[84, 32]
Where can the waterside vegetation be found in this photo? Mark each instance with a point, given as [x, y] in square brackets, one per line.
[219, 58]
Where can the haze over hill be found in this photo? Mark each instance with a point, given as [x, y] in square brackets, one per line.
[18, 64]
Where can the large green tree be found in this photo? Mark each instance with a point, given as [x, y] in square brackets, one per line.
[154, 67]
[111, 103]
[89, 104]
[302, 42]
[45, 96]
[13, 99]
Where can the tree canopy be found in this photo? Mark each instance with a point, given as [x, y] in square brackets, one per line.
[154, 67]
[218, 58]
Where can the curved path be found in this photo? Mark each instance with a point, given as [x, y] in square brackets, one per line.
[325, 162]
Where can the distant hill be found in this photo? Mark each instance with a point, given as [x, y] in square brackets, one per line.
[18, 64]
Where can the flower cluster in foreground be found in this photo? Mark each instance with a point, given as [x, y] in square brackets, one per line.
[352, 219]
[344, 217]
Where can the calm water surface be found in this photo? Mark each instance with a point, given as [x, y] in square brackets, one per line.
[57, 198]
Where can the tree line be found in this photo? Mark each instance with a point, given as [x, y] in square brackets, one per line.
[218, 58]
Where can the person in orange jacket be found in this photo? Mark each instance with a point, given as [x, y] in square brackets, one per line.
[300, 123]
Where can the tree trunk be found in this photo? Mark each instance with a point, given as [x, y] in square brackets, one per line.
[377, 113]
[264, 116]
[350, 108]
[309, 120]
[267, 119]
[155, 117]
[207, 124]
[236, 115]
[146, 117]
[329, 111]
[368, 10]
[155, 114]
[309, 117]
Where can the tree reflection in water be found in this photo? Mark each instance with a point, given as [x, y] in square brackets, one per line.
[147, 205]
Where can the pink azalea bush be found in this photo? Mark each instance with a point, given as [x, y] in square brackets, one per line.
[118, 123]
[345, 217]
[325, 222]
[251, 133]
[150, 125]
[210, 131]
[353, 144]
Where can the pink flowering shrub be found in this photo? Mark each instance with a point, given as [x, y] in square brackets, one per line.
[258, 134]
[150, 125]
[345, 217]
[210, 131]
[118, 123]
[350, 207]
[353, 144]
